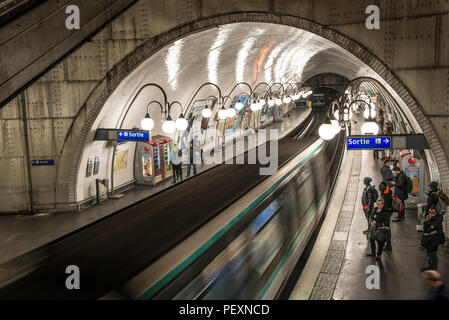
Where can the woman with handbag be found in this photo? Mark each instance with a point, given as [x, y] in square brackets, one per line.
[378, 228]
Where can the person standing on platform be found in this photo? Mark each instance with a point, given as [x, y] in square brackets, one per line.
[400, 190]
[385, 193]
[438, 291]
[381, 121]
[378, 227]
[433, 236]
[387, 174]
[193, 149]
[178, 168]
[175, 162]
[433, 199]
[368, 198]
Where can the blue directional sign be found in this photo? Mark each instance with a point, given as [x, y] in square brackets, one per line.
[360, 143]
[133, 135]
[49, 162]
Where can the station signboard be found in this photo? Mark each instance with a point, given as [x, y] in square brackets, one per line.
[47, 162]
[126, 135]
[361, 143]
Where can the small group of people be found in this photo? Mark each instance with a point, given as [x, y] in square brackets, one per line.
[379, 206]
[194, 153]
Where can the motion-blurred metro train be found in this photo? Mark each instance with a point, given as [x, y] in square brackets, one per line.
[250, 250]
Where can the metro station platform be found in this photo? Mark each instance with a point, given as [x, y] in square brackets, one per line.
[336, 267]
[22, 233]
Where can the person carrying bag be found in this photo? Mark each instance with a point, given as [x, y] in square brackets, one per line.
[378, 229]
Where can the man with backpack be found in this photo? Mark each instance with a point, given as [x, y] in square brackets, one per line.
[369, 197]
[436, 198]
[403, 185]
[387, 174]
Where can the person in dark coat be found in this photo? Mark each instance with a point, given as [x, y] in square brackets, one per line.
[438, 291]
[385, 193]
[387, 174]
[381, 121]
[400, 190]
[178, 168]
[368, 199]
[379, 220]
[193, 150]
[432, 198]
[433, 232]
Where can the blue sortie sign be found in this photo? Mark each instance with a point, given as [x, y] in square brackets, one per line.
[50, 162]
[133, 135]
[369, 143]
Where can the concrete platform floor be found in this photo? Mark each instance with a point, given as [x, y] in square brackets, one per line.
[336, 268]
[22, 233]
[400, 270]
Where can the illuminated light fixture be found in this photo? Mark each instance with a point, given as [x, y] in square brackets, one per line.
[336, 114]
[369, 112]
[326, 131]
[169, 125]
[181, 122]
[306, 94]
[336, 126]
[262, 102]
[271, 102]
[278, 102]
[231, 112]
[347, 114]
[222, 114]
[147, 123]
[287, 99]
[206, 113]
[370, 127]
[239, 106]
[254, 106]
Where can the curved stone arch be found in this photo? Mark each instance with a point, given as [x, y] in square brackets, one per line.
[78, 133]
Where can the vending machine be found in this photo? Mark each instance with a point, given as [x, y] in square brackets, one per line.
[152, 160]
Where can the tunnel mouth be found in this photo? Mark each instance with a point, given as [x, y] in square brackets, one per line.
[332, 52]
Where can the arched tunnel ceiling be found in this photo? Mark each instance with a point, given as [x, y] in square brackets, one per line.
[251, 52]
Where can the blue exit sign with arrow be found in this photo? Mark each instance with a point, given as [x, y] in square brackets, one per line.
[126, 135]
[360, 143]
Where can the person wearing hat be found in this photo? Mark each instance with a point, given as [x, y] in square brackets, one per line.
[432, 198]
[368, 199]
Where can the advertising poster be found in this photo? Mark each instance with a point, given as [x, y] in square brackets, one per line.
[121, 160]
[233, 124]
[413, 173]
[89, 167]
[264, 114]
[96, 165]
[146, 166]
[197, 124]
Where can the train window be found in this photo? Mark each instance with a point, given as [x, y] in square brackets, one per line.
[222, 278]
[265, 245]
[306, 194]
[321, 177]
[264, 216]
